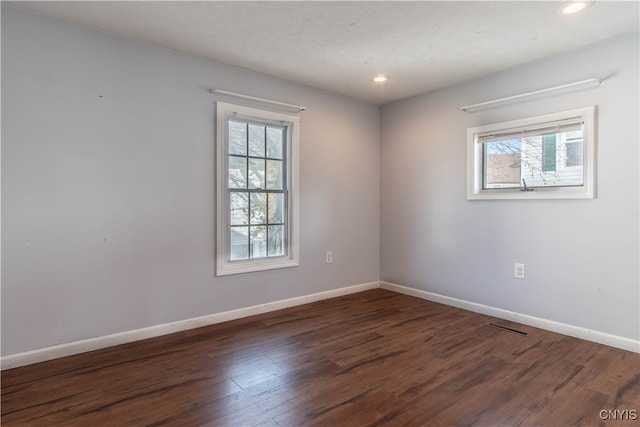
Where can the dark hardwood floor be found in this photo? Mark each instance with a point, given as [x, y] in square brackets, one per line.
[376, 358]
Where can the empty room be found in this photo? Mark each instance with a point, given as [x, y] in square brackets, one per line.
[333, 213]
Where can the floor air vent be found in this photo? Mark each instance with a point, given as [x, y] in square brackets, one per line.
[507, 329]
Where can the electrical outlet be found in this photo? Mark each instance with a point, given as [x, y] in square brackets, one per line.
[518, 270]
[328, 257]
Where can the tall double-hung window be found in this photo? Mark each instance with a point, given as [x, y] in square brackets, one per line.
[257, 218]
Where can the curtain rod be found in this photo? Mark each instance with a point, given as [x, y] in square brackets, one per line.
[536, 92]
[255, 98]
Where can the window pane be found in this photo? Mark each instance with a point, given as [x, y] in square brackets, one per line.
[551, 160]
[275, 241]
[276, 208]
[237, 172]
[274, 174]
[237, 138]
[502, 164]
[256, 140]
[256, 173]
[258, 208]
[275, 143]
[239, 208]
[239, 243]
[258, 241]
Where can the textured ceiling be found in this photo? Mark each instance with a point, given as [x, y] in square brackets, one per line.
[340, 46]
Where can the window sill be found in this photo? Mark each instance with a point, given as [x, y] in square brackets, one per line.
[225, 268]
[536, 194]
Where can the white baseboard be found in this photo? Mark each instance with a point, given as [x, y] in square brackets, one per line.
[549, 325]
[81, 346]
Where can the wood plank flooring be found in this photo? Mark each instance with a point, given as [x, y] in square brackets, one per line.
[375, 358]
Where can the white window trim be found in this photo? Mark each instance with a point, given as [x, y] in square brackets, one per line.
[223, 265]
[475, 189]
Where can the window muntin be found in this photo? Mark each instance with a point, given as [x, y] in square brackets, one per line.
[548, 156]
[257, 184]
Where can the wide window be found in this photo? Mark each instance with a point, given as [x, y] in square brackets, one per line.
[257, 219]
[550, 156]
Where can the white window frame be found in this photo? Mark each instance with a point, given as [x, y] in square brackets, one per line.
[475, 161]
[224, 266]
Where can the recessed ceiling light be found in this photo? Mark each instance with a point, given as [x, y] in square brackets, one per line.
[380, 78]
[573, 7]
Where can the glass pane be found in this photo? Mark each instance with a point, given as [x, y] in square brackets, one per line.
[239, 243]
[237, 138]
[258, 208]
[256, 140]
[258, 243]
[551, 160]
[274, 175]
[256, 173]
[275, 240]
[237, 172]
[239, 214]
[275, 143]
[276, 208]
[502, 164]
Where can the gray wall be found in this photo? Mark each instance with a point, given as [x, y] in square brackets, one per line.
[108, 186]
[108, 191]
[581, 256]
